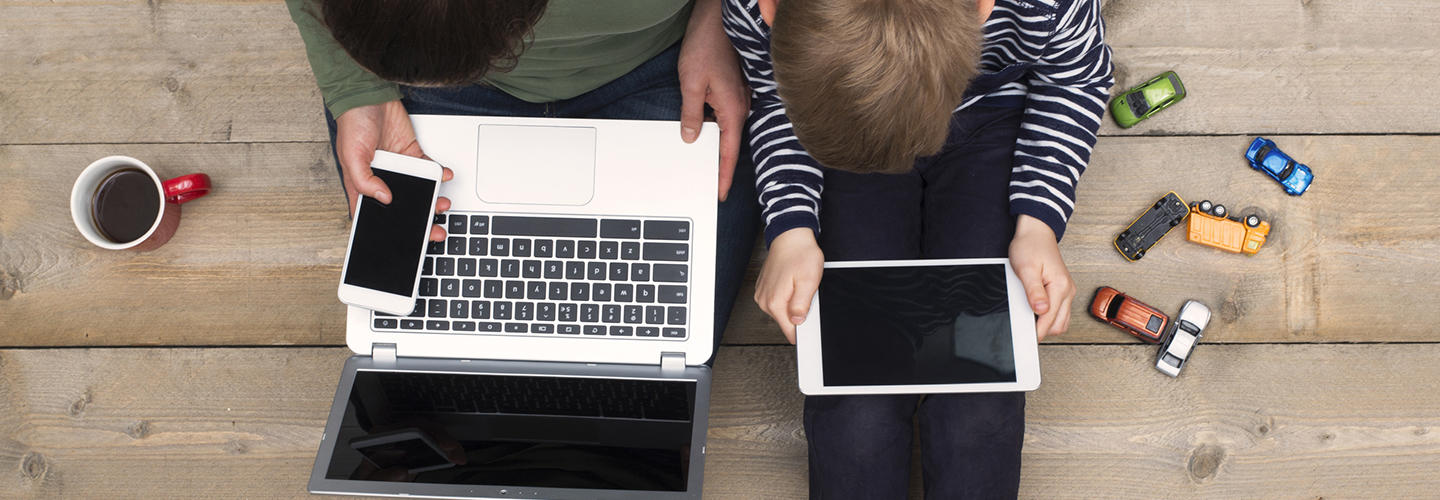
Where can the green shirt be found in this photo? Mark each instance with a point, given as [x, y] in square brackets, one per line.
[577, 46]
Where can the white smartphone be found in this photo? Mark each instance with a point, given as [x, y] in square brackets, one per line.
[387, 242]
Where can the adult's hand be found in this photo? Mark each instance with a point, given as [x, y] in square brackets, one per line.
[361, 131]
[1035, 255]
[710, 74]
[789, 278]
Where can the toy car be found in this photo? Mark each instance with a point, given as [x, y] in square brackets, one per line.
[1146, 99]
[1128, 314]
[1211, 225]
[1185, 333]
[1266, 157]
[1149, 227]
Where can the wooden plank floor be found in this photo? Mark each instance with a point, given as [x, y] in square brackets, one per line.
[1319, 380]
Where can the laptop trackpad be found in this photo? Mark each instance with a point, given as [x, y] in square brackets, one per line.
[535, 165]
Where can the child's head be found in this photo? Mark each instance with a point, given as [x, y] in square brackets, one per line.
[869, 85]
[432, 42]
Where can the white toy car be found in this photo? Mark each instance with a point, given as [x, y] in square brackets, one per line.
[1185, 334]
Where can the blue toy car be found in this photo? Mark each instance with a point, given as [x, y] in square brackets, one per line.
[1265, 157]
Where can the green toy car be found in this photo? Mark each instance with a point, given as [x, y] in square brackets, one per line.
[1140, 102]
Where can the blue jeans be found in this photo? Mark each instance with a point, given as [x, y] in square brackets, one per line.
[952, 205]
[649, 92]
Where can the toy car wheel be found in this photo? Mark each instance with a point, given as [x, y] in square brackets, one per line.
[1158, 204]
[1252, 220]
[1206, 205]
[1176, 221]
[1218, 211]
[1139, 254]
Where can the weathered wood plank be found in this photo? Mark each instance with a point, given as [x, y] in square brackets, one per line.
[222, 71]
[1243, 422]
[258, 259]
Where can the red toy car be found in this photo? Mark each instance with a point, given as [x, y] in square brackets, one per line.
[1128, 314]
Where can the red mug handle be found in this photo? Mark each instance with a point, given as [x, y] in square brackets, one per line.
[187, 187]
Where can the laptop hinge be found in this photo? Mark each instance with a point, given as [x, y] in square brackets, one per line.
[383, 354]
[672, 363]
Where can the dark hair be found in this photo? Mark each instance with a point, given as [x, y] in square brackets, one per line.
[432, 42]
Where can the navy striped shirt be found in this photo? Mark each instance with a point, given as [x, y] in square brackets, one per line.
[1058, 45]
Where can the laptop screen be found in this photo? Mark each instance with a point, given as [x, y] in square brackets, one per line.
[516, 430]
[914, 325]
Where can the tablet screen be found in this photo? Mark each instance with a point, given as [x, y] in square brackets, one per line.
[916, 325]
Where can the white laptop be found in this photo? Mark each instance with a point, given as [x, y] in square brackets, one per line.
[558, 342]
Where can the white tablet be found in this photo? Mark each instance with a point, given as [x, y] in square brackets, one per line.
[918, 326]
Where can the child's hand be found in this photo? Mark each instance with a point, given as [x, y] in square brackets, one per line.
[1035, 255]
[790, 277]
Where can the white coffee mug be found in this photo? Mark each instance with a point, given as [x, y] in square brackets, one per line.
[172, 193]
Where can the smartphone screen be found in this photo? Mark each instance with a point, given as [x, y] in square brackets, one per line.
[389, 239]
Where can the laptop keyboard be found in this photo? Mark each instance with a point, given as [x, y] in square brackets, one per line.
[598, 277]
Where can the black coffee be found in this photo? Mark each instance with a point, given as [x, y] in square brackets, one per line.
[125, 205]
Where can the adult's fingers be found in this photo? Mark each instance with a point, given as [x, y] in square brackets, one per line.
[776, 306]
[1034, 283]
[732, 126]
[692, 109]
[1062, 317]
[799, 306]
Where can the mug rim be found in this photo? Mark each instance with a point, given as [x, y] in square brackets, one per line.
[79, 201]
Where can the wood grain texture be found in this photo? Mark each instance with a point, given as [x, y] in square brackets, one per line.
[1261, 421]
[235, 71]
[258, 259]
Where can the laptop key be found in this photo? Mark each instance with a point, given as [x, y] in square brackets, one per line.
[503, 310]
[639, 271]
[488, 268]
[678, 252]
[444, 266]
[514, 289]
[585, 249]
[543, 226]
[647, 331]
[530, 269]
[654, 315]
[480, 309]
[622, 331]
[676, 315]
[558, 290]
[459, 309]
[630, 250]
[672, 294]
[565, 249]
[535, 290]
[600, 292]
[494, 289]
[437, 308]
[435, 248]
[386, 323]
[624, 292]
[673, 333]
[487, 326]
[440, 219]
[465, 267]
[594, 330]
[544, 248]
[429, 287]
[458, 224]
[667, 230]
[520, 247]
[499, 247]
[589, 313]
[471, 288]
[429, 267]
[633, 314]
[610, 314]
[579, 291]
[568, 329]
[567, 311]
[479, 224]
[412, 324]
[554, 270]
[450, 288]
[574, 270]
[510, 268]
[619, 271]
[545, 311]
[671, 273]
[516, 328]
[456, 245]
[620, 228]
[645, 293]
[542, 328]
[437, 325]
[609, 250]
[419, 310]
[462, 326]
[479, 246]
[595, 271]
[524, 311]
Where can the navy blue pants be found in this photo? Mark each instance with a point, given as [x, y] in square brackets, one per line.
[952, 205]
[649, 92]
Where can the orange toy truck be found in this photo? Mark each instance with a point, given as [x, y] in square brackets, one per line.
[1211, 226]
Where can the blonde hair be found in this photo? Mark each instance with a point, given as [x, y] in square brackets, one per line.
[869, 85]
